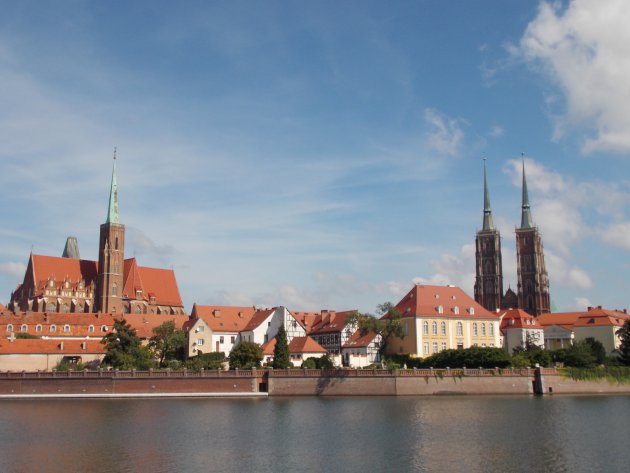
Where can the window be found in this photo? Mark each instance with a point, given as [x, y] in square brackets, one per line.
[456, 310]
[38, 328]
[440, 309]
[65, 308]
[443, 328]
[460, 329]
[434, 328]
[471, 311]
[483, 330]
[66, 328]
[51, 308]
[266, 338]
[9, 327]
[199, 342]
[103, 328]
[233, 339]
[24, 328]
[269, 324]
[201, 328]
[221, 339]
[443, 346]
[492, 329]
[483, 345]
[435, 347]
[460, 346]
[137, 309]
[53, 328]
[114, 290]
[426, 328]
[475, 331]
[91, 329]
[426, 348]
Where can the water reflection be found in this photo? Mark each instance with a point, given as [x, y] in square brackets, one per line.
[432, 434]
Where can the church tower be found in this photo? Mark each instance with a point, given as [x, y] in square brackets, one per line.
[111, 254]
[533, 281]
[489, 279]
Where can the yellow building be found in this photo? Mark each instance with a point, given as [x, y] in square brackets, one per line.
[437, 318]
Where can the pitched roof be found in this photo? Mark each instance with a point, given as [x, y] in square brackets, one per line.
[331, 322]
[43, 267]
[258, 318]
[425, 300]
[224, 318]
[41, 346]
[563, 319]
[78, 325]
[358, 340]
[590, 319]
[307, 319]
[517, 318]
[154, 282]
[298, 345]
[144, 324]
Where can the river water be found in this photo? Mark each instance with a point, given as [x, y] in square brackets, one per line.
[373, 434]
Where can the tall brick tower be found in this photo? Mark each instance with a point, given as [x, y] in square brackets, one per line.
[533, 281]
[489, 279]
[111, 256]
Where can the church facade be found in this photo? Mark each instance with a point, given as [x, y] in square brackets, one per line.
[532, 294]
[112, 285]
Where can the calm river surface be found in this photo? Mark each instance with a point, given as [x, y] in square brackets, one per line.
[376, 434]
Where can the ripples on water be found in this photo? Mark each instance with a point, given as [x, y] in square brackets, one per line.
[429, 434]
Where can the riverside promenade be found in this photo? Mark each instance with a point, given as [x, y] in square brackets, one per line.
[296, 382]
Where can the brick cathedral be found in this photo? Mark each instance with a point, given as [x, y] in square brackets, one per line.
[532, 280]
[113, 284]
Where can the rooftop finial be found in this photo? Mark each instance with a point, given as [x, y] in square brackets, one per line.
[487, 211]
[112, 211]
[526, 215]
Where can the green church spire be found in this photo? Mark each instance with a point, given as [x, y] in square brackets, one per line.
[526, 215]
[112, 211]
[487, 211]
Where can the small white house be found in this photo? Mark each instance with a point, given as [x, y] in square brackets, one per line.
[265, 323]
[300, 349]
[519, 329]
[361, 350]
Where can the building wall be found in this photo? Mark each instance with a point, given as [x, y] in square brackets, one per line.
[517, 337]
[604, 334]
[40, 361]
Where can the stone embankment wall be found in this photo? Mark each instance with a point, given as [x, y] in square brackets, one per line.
[299, 382]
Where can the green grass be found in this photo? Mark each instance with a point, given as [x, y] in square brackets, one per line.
[614, 374]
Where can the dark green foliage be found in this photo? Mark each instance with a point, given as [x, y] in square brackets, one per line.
[387, 327]
[597, 349]
[25, 335]
[473, 357]
[624, 348]
[207, 361]
[577, 355]
[310, 363]
[531, 356]
[124, 350]
[281, 359]
[246, 355]
[168, 344]
[325, 363]
[614, 374]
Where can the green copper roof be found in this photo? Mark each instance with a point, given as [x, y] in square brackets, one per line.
[112, 211]
[526, 215]
[487, 212]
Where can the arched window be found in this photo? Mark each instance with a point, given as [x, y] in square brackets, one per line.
[51, 307]
[460, 329]
[114, 290]
[475, 331]
[103, 328]
[9, 327]
[91, 329]
[434, 328]
[440, 309]
[65, 307]
[24, 328]
[491, 329]
[456, 310]
[483, 330]
[53, 328]
[66, 328]
[443, 328]
[425, 328]
[38, 328]
[116, 243]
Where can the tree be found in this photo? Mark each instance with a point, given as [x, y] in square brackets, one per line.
[624, 337]
[168, 343]
[597, 349]
[389, 324]
[124, 349]
[473, 357]
[207, 361]
[281, 358]
[246, 355]
[578, 355]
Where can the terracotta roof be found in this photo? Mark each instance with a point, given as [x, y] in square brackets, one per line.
[564, 319]
[425, 300]
[307, 319]
[78, 325]
[43, 267]
[39, 346]
[258, 318]
[517, 318]
[331, 322]
[297, 345]
[144, 324]
[2, 308]
[358, 340]
[224, 318]
[600, 320]
[157, 282]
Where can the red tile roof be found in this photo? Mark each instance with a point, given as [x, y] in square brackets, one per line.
[563, 319]
[43, 267]
[78, 325]
[519, 319]
[40, 346]
[258, 318]
[601, 320]
[144, 324]
[358, 340]
[331, 322]
[224, 318]
[157, 282]
[297, 345]
[425, 300]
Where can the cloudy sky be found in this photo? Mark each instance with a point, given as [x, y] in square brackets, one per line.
[319, 154]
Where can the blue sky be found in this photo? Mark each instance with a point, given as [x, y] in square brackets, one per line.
[319, 154]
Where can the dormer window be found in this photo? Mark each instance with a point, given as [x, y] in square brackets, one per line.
[38, 328]
[456, 310]
[440, 309]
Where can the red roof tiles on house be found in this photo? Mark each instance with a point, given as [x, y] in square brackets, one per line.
[43, 267]
[154, 282]
[298, 345]
[358, 340]
[517, 318]
[258, 318]
[144, 324]
[425, 300]
[331, 322]
[224, 318]
[40, 346]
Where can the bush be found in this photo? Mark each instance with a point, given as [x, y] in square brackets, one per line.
[473, 357]
[246, 355]
[325, 363]
[310, 363]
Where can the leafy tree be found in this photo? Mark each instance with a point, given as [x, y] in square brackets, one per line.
[597, 349]
[207, 361]
[246, 355]
[124, 349]
[624, 349]
[389, 324]
[22, 335]
[168, 344]
[472, 357]
[310, 363]
[324, 362]
[281, 358]
[579, 355]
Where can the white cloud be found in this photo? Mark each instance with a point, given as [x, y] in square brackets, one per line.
[585, 49]
[13, 269]
[496, 131]
[453, 269]
[581, 304]
[561, 272]
[617, 234]
[445, 135]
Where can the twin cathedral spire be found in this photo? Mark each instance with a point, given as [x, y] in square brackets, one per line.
[532, 279]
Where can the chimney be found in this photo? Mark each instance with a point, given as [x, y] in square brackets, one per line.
[589, 308]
